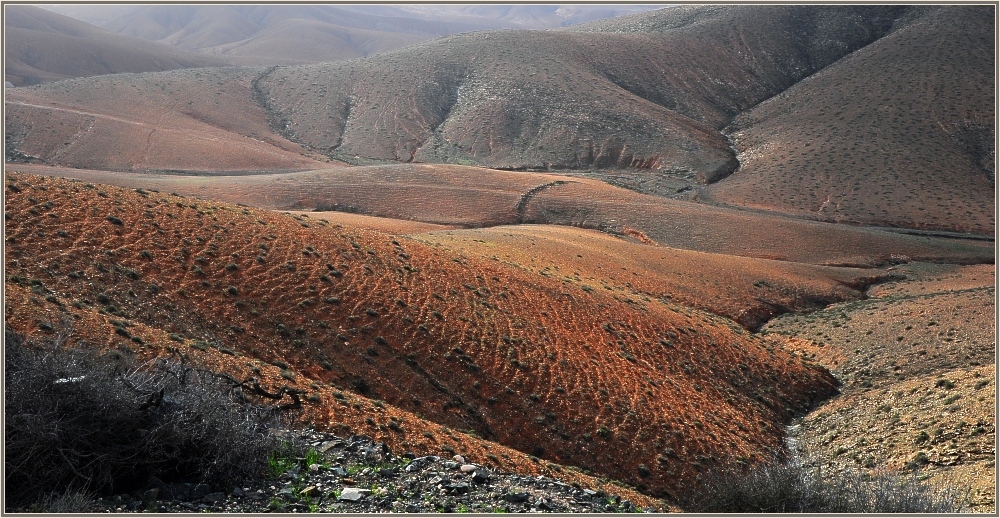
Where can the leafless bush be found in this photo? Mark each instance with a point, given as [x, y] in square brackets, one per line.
[81, 421]
[777, 487]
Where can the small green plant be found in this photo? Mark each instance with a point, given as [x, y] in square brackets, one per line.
[281, 461]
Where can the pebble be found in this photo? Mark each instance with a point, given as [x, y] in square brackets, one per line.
[352, 494]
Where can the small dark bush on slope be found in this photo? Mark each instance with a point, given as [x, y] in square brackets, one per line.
[80, 421]
[796, 488]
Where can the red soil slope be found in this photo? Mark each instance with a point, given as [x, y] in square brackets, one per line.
[325, 406]
[747, 290]
[476, 197]
[649, 393]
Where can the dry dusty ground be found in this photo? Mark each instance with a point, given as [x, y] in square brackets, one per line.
[918, 366]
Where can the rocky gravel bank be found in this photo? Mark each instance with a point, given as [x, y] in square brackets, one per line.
[360, 475]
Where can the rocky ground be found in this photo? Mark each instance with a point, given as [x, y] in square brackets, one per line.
[917, 363]
[360, 475]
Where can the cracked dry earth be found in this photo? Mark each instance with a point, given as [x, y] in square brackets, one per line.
[917, 363]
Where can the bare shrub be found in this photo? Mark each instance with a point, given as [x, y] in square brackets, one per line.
[79, 421]
[781, 487]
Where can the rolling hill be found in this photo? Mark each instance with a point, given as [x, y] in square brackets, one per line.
[191, 120]
[796, 100]
[475, 197]
[906, 122]
[564, 99]
[42, 46]
[649, 393]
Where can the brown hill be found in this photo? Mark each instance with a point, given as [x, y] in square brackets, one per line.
[404, 431]
[199, 119]
[650, 93]
[476, 197]
[899, 133]
[569, 99]
[650, 393]
[42, 46]
[728, 231]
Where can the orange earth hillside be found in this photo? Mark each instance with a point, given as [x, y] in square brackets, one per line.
[322, 405]
[649, 393]
[478, 197]
[747, 290]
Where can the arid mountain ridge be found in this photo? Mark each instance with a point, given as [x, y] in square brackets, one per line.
[677, 94]
[633, 249]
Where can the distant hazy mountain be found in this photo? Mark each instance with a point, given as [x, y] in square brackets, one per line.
[289, 34]
[43, 46]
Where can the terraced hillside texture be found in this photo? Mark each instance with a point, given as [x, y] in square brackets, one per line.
[477, 197]
[898, 133]
[918, 366]
[194, 120]
[649, 393]
[41, 46]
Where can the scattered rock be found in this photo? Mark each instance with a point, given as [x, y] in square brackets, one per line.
[462, 486]
[352, 494]
[214, 497]
[516, 498]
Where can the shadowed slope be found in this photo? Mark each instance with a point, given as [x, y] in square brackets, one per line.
[641, 392]
[900, 133]
[42, 46]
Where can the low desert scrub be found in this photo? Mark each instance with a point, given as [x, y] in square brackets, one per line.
[82, 422]
[778, 487]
